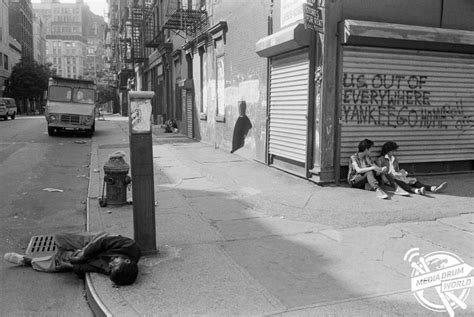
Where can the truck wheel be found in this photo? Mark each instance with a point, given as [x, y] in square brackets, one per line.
[5, 117]
[50, 131]
[13, 116]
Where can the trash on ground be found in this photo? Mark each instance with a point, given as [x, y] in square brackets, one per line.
[80, 142]
[53, 190]
[96, 170]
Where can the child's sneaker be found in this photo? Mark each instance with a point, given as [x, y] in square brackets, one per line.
[420, 191]
[440, 188]
[381, 194]
[400, 191]
[14, 258]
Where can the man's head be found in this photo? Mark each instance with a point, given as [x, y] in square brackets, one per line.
[365, 144]
[123, 271]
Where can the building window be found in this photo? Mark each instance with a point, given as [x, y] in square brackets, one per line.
[202, 80]
[5, 62]
[1, 60]
[219, 49]
[220, 86]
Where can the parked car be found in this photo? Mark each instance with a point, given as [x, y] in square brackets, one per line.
[8, 108]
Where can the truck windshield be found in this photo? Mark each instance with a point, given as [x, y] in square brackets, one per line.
[59, 93]
[83, 95]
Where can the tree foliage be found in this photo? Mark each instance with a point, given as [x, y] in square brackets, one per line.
[29, 80]
[106, 93]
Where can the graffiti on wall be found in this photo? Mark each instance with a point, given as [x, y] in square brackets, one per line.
[398, 101]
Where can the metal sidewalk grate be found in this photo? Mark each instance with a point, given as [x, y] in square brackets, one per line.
[43, 244]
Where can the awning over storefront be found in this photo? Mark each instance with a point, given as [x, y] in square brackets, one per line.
[380, 34]
[285, 40]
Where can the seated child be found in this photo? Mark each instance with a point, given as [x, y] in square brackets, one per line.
[388, 160]
[364, 173]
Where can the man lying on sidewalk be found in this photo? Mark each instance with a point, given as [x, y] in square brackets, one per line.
[116, 256]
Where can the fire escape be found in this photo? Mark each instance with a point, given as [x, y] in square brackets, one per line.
[153, 37]
[177, 16]
[136, 36]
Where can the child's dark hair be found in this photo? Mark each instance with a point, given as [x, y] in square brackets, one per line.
[125, 274]
[388, 147]
[365, 144]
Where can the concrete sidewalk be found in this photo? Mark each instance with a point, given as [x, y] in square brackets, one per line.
[236, 237]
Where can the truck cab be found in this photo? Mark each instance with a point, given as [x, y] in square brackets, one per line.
[8, 108]
[70, 105]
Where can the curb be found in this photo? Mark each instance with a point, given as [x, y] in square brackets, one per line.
[95, 303]
[97, 306]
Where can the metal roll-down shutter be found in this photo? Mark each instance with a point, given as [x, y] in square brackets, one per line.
[289, 106]
[188, 104]
[422, 100]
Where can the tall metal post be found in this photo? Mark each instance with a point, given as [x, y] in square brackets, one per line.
[141, 165]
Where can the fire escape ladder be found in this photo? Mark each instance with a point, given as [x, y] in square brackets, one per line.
[182, 16]
[137, 47]
[153, 37]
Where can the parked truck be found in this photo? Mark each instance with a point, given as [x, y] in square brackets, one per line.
[70, 105]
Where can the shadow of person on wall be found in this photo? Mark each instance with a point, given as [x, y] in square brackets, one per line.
[241, 128]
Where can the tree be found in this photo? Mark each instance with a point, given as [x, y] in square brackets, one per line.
[106, 93]
[29, 80]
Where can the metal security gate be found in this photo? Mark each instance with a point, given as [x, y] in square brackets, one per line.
[289, 107]
[188, 102]
[422, 100]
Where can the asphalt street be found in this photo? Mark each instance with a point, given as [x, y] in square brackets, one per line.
[32, 161]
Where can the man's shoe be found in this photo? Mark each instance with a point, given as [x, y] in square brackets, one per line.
[14, 258]
[440, 188]
[400, 191]
[381, 194]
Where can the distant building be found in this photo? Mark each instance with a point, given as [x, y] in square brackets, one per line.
[94, 33]
[72, 31]
[4, 46]
[15, 52]
[21, 25]
[39, 40]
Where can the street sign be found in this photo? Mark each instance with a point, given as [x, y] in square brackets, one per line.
[313, 15]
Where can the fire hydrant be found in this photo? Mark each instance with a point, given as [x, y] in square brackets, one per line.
[116, 179]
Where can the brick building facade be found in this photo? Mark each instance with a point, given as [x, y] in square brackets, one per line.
[250, 78]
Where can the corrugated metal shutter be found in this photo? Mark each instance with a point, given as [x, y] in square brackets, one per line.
[422, 100]
[289, 106]
[189, 111]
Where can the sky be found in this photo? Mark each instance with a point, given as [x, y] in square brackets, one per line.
[99, 7]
